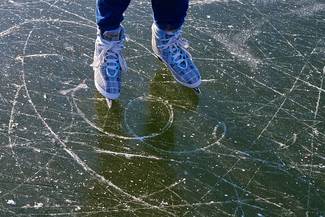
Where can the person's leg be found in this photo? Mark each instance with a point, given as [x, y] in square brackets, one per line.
[109, 13]
[169, 14]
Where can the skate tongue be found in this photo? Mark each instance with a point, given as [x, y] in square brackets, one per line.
[171, 32]
[114, 35]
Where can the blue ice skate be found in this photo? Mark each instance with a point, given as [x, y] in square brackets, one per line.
[171, 49]
[109, 63]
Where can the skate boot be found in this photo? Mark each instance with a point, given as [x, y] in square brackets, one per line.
[109, 63]
[171, 49]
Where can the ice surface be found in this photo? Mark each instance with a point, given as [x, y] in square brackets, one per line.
[252, 144]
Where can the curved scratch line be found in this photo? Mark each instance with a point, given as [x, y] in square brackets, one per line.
[134, 137]
[38, 171]
[16, 27]
[71, 153]
[10, 127]
[151, 99]
[83, 116]
[218, 140]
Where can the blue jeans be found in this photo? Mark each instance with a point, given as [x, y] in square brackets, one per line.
[168, 14]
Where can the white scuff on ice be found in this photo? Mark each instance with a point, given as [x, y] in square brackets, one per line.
[82, 85]
[38, 205]
[11, 202]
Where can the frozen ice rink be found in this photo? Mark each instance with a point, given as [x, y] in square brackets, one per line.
[251, 145]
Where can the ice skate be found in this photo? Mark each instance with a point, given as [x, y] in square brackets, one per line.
[171, 49]
[109, 63]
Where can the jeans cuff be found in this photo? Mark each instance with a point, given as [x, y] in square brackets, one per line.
[168, 27]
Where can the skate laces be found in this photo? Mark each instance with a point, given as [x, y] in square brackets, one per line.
[177, 46]
[110, 56]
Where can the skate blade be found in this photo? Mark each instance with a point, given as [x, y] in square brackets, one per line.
[159, 58]
[109, 103]
[197, 90]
